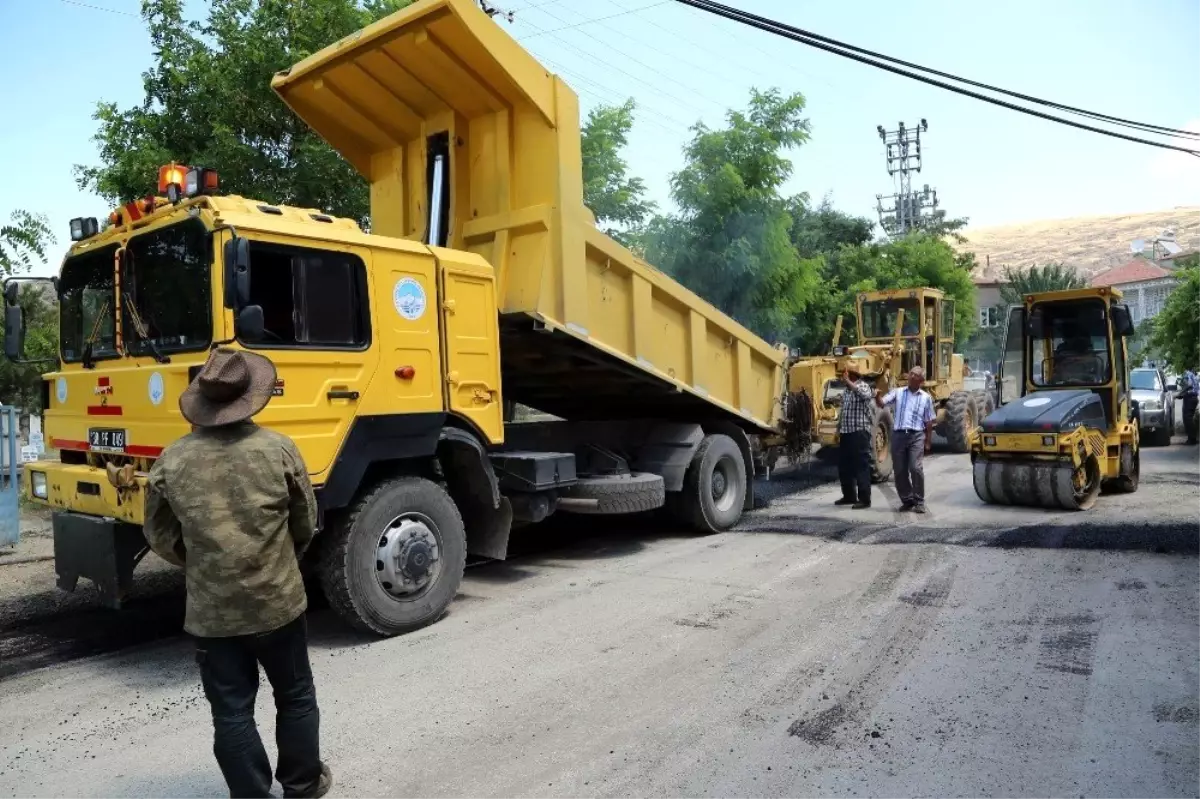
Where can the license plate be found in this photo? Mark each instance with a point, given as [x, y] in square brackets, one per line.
[106, 440]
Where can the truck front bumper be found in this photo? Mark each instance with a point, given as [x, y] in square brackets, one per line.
[85, 490]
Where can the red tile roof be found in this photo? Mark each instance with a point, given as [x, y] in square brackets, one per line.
[1135, 271]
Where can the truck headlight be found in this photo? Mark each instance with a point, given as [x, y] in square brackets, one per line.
[989, 441]
[1151, 405]
[37, 485]
[1047, 441]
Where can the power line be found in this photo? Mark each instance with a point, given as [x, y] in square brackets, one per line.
[595, 19]
[99, 8]
[603, 63]
[1145, 126]
[795, 34]
[644, 65]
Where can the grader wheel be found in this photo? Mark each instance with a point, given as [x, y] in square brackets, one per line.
[962, 415]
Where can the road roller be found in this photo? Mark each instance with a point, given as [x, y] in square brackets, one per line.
[1065, 429]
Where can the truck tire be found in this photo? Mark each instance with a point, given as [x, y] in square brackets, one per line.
[881, 448]
[395, 562]
[640, 491]
[962, 416]
[714, 488]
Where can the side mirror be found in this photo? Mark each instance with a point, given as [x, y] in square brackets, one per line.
[14, 330]
[1122, 320]
[1172, 387]
[237, 273]
[249, 325]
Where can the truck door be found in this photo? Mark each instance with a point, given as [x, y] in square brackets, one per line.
[471, 342]
[316, 310]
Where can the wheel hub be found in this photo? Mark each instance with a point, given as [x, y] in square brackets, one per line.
[718, 484]
[408, 557]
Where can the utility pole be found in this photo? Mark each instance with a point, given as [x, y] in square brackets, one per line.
[906, 209]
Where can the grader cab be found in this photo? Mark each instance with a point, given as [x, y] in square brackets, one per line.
[1066, 426]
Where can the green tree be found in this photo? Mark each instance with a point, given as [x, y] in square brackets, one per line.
[23, 242]
[731, 240]
[208, 101]
[613, 196]
[23, 245]
[1177, 327]
[1034, 279]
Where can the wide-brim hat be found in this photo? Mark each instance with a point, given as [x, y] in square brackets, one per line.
[233, 386]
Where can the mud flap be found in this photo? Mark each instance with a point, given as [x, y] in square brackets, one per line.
[102, 550]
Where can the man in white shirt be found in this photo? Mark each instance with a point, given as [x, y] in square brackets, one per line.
[912, 437]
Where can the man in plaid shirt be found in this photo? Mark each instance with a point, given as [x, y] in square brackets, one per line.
[855, 426]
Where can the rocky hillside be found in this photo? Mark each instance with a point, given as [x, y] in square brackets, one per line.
[1091, 244]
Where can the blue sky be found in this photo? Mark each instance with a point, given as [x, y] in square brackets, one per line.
[1139, 60]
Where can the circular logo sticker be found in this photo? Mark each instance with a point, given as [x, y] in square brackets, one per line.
[1036, 402]
[157, 389]
[409, 299]
[60, 390]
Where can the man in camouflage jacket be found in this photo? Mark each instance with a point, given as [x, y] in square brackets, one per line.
[232, 503]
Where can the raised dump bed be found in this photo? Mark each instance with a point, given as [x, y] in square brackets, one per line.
[438, 107]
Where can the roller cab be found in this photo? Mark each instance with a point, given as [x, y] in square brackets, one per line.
[1066, 427]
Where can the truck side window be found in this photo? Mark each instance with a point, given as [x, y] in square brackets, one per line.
[309, 297]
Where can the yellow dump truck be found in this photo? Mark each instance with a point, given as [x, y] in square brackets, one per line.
[483, 279]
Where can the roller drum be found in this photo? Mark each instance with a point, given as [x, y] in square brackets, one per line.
[1035, 484]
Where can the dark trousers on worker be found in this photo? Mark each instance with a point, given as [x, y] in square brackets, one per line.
[229, 672]
[908, 463]
[854, 465]
[1189, 417]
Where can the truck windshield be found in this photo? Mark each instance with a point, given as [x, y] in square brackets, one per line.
[1070, 342]
[167, 284]
[86, 310]
[879, 317]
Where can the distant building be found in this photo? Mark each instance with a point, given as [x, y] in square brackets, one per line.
[1144, 284]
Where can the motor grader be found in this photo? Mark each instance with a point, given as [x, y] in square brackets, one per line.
[897, 330]
[1066, 426]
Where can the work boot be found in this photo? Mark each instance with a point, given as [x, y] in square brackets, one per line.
[861, 505]
[324, 783]
[844, 501]
[920, 508]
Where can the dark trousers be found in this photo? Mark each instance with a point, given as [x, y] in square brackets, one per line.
[1189, 413]
[854, 465]
[229, 672]
[908, 462]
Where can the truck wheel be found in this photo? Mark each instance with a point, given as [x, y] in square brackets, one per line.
[714, 488]
[640, 491]
[962, 416]
[881, 448]
[395, 562]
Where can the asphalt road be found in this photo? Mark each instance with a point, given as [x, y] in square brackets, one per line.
[815, 651]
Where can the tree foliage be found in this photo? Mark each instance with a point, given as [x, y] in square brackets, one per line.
[615, 198]
[23, 242]
[1177, 327]
[731, 240]
[1035, 279]
[208, 101]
